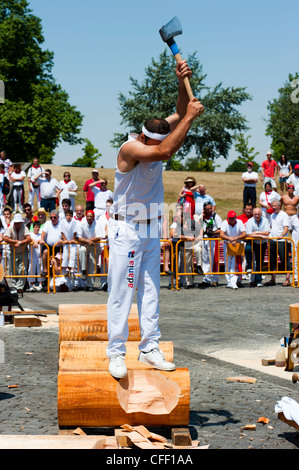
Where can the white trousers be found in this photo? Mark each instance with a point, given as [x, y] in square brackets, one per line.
[208, 252]
[134, 262]
[230, 267]
[69, 255]
[32, 194]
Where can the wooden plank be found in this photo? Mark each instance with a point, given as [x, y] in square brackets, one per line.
[26, 321]
[249, 380]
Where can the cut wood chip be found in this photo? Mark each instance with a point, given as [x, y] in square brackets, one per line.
[249, 427]
[12, 386]
[263, 420]
[79, 431]
[250, 380]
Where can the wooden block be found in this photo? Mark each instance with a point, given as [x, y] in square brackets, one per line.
[181, 437]
[268, 362]
[91, 355]
[249, 380]
[26, 320]
[122, 438]
[80, 322]
[294, 313]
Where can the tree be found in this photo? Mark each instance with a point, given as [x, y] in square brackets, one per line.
[36, 115]
[91, 154]
[211, 135]
[247, 154]
[283, 121]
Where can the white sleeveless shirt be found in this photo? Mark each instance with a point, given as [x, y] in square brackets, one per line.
[139, 193]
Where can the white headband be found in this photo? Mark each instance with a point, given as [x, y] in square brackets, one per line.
[153, 135]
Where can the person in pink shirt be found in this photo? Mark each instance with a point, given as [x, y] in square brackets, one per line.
[269, 170]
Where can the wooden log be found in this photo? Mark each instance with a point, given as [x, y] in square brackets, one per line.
[96, 399]
[91, 355]
[294, 313]
[89, 323]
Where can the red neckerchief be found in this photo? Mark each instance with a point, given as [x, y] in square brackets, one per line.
[36, 167]
[66, 182]
[107, 215]
[75, 217]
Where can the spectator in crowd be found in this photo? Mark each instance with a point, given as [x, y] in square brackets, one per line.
[294, 229]
[18, 237]
[51, 236]
[7, 214]
[3, 228]
[65, 205]
[69, 232]
[267, 198]
[8, 165]
[3, 180]
[88, 193]
[210, 249]
[29, 216]
[186, 196]
[289, 201]
[247, 214]
[35, 262]
[165, 245]
[294, 179]
[90, 248]
[101, 231]
[6, 263]
[279, 230]
[69, 190]
[41, 217]
[17, 177]
[284, 171]
[101, 195]
[269, 170]
[79, 213]
[201, 196]
[250, 179]
[49, 189]
[232, 232]
[33, 186]
[258, 228]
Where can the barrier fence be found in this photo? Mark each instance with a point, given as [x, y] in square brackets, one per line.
[42, 262]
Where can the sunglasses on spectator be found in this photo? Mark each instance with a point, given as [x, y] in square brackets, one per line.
[53, 218]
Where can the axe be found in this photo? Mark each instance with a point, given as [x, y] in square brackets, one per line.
[167, 32]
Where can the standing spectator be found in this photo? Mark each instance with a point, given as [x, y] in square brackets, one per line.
[69, 190]
[201, 197]
[294, 229]
[51, 235]
[6, 263]
[279, 230]
[284, 171]
[266, 200]
[89, 249]
[232, 232]
[88, 193]
[4, 185]
[79, 217]
[33, 186]
[250, 179]
[3, 228]
[290, 202]
[17, 235]
[247, 214]
[6, 162]
[294, 179]
[258, 228]
[210, 249]
[17, 177]
[101, 231]
[269, 170]
[48, 188]
[186, 196]
[35, 262]
[101, 195]
[69, 233]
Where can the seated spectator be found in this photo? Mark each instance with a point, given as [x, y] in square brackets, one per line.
[35, 261]
[51, 236]
[279, 230]
[18, 237]
[210, 249]
[69, 233]
[69, 190]
[266, 200]
[165, 245]
[49, 189]
[250, 179]
[201, 197]
[79, 213]
[186, 196]
[29, 216]
[5, 261]
[232, 232]
[17, 177]
[258, 228]
[41, 217]
[101, 231]
[247, 214]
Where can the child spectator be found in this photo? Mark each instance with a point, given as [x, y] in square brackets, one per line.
[35, 262]
[69, 233]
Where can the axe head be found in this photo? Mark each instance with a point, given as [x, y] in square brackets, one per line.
[171, 29]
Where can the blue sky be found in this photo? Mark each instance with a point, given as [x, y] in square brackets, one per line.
[99, 44]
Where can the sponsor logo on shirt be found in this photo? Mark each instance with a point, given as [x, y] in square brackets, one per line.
[131, 269]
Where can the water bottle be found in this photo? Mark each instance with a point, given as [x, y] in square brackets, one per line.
[1, 319]
[280, 359]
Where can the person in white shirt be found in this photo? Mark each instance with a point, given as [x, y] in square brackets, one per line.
[266, 200]
[89, 248]
[35, 262]
[49, 189]
[101, 195]
[69, 232]
[33, 186]
[284, 171]
[17, 177]
[257, 228]
[250, 179]
[232, 232]
[294, 229]
[102, 233]
[51, 235]
[69, 190]
[294, 179]
[279, 230]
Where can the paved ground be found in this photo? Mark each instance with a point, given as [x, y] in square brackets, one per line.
[217, 333]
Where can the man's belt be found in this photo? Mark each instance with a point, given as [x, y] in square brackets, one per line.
[145, 221]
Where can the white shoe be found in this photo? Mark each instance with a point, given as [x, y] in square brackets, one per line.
[37, 288]
[235, 287]
[156, 359]
[229, 286]
[31, 289]
[259, 284]
[117, 366]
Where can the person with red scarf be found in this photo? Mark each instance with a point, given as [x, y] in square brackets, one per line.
[33, 186]
[210, 249]
[186, 196]
[17, 177]
[266, 200]
[232, 232]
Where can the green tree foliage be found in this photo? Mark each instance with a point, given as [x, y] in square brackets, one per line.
[283, 122]
[36, 115]
[211, 135]
[246, 154]
[90, 157]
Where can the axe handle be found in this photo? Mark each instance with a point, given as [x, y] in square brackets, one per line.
[178, 58]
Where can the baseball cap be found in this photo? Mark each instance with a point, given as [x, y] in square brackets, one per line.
[296, 167]
[94, 170]
[249, 163]
[231, 214]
